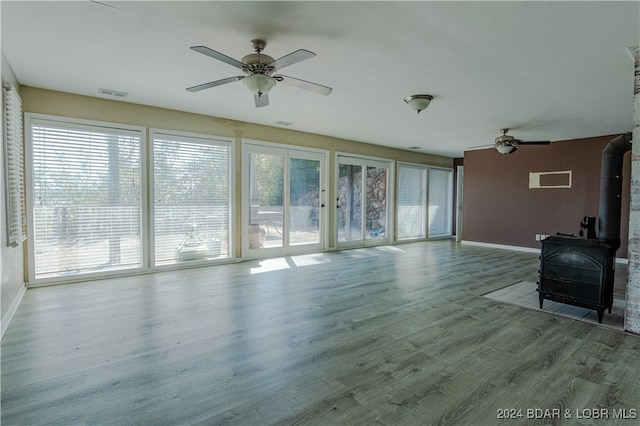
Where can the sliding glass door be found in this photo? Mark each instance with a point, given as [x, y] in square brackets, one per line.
[425, 201]
[440, 202]
[363, 199]
[284, 200]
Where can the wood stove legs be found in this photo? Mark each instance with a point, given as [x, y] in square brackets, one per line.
[599, 311]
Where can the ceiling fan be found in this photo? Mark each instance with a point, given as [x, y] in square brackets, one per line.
[507, 144]
[260, 72]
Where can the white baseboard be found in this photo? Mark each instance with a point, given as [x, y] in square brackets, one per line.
[518, 248]
[8, 316]
[501, 246]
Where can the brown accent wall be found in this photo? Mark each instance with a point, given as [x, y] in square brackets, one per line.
[499, 207]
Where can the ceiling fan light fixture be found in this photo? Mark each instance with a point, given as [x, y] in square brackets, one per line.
[504, 149]
[259, 84]
[418, 102]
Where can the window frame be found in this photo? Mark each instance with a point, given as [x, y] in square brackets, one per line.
[424, 168]
[259, 146]
[366, 161]
[449, 204]
[196, 137]
[82, 124]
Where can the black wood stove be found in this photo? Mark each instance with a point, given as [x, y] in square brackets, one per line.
[580, 271]
[577, 271]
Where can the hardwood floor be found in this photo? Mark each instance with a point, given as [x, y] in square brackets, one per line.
[388, 335]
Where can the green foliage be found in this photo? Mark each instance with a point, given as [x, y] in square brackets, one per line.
[267, 176]
[190, 173]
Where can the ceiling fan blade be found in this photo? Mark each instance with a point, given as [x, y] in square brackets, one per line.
[292, 58]
[211, 84]
[481, 146]
[303, 84]
[514, 149]
[262, 100]
[534, 142]
[219, 56]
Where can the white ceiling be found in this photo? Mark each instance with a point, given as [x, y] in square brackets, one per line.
[549, 70]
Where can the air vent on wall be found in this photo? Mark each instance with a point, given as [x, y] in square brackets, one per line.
[114, 93]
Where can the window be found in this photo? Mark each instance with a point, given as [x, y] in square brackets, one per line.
[85, 197]
[412, 201]
[191, 198]
[440, 201]
[89, 209]
[14, 167]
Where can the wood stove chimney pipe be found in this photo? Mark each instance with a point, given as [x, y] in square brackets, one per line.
[611, 190]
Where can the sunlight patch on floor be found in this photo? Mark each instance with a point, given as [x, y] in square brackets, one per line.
[268, 265]
[390, 248]
[298, 261]
[310, 259]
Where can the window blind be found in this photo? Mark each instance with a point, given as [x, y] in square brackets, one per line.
[412, 182]
[86, 198]
[440, 201]
[191, 198]
[14, 167]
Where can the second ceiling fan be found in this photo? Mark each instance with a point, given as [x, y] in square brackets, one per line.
[260, 72]
[507, 144]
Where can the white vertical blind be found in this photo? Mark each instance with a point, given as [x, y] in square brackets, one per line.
[14, 167]
[440, 201]
[412, 202]
[86, 189]
[191, 198]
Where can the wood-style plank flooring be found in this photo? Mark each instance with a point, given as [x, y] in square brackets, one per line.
[396, 335]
